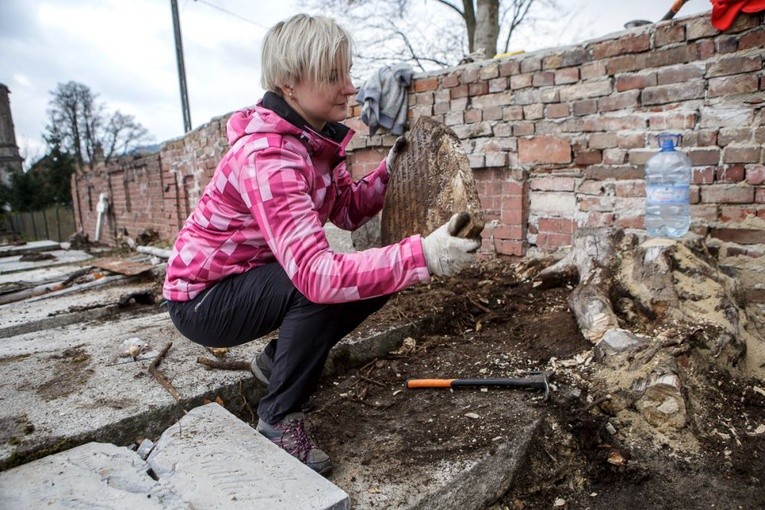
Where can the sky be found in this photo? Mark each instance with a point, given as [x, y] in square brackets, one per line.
[124, 51]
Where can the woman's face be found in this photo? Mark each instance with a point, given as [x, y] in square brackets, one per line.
[323, 102]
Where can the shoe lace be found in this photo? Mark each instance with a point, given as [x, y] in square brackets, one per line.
[298, 443]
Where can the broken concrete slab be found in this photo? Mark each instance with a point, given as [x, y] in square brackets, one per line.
[30, 247]
[211, 459]
[94, 475]
[14, 264]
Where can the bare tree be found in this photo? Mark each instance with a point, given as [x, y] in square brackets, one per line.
[388, 30]
[84, 129]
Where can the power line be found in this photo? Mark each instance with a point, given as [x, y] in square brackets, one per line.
[221, 9]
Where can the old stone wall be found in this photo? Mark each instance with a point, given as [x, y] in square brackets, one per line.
[557, 139]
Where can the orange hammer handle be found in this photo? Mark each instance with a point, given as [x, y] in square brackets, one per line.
[429, 383]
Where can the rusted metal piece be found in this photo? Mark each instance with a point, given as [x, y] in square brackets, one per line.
[433, 180]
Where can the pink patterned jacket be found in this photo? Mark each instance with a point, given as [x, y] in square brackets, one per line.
[268, 200]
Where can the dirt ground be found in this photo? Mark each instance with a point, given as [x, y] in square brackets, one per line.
[494, 322]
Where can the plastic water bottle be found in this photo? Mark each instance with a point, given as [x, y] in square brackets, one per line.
[667, 183]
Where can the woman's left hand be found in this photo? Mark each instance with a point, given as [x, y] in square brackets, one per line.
[398, 147]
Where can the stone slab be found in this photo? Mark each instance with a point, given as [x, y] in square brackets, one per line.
[13, 263]
[94, 475]
[211, 459]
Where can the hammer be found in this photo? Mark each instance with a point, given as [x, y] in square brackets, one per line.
[536, 380]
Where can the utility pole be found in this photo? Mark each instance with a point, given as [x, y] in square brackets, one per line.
[181, 67]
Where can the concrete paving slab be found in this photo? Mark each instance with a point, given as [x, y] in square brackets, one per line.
[211, 459]
[70, 385]
[14, 264]
[94, 475]
[44, 313]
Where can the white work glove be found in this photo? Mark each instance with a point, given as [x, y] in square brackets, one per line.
[394, 153]
[445, 254]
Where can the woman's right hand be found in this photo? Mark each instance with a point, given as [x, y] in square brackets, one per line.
[446, 254]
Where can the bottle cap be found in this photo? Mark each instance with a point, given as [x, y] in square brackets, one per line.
[668, 141]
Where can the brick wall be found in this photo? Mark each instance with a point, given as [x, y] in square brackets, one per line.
[558, 138]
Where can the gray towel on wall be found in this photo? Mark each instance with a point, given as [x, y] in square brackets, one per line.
[384, 99]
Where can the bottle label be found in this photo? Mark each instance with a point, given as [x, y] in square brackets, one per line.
[666, 194]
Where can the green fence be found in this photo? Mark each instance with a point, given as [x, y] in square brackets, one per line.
[55, 223]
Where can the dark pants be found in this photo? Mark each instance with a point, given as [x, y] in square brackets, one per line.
[245, 307]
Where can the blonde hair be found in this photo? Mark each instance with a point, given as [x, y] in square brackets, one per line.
[303, 47]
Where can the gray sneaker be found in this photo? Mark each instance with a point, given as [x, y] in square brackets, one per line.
[291, 436]
[261, 367]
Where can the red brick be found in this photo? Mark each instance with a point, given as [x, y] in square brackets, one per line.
[568, 75]
[492, 113]
[556, 111]
[523, 129]
[739, 235]
[546, 240]
[671, 56]
[626, 63]
[616, 123]
[631, 43]
[470, 75]
[560, 225]
[704, 157]
[726, 44]
[668, 33]
[759, 198]
[498, 84]
[531, 64]
[512, 248]
[631, 140]
[512, 113]
[544, 149]
[450, 80]
[602, 140]
[630, 189]
[752, 40]
[599, 219]
[585, 107]
[509, 68]
[672, 120]
[634, 81]
[730, 85]
[478, 89]
[703, 175]
[706, 49]
[673, 93]
[736, 214]
[593, 70]
[619, 101]
[543, 79]
[733, 173]
[473, 115]
[700, 27]
[461, 91]
[584, 158]
[755, 175]
[734, 65]
[424, 84]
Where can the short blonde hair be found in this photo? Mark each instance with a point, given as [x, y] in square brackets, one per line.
[303, 47]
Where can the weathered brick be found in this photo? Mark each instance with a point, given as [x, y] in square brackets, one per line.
[602, 140]
[736, 214]
[663, 94]
[755, 175]
[631, 140]
[733, 154]
[630, 189]
[734, 65]
[727, 44]
[556, 183]
[441, 108]
[729, 85]
[512, 113]
[544, 149]
[470, 74]
[567, 75]
[698, 28]
[509, 67]
[459, 104]
[478, 89]
[585, 107]
[739, 235]
[704, 157]
[543, 79]
[585, 90]
[450, 80]
[560, 225]
[672, 120]
[453, 118]
[531, 96]
[597, 219]
[593, 157]
[593, 70]
[727, 194]
[671, 56]
[730, 173]
[619, 101]
[679, 74]
[668, 33]
[533, 111]
[492, 113]
[614, 123]
[425, 98]
[568, 58]
[744, 21]
[496, 159]
[640, 156]
[706, 49]
[703, 175]
[424, 84]
[627, 63]
[630, 43]
[725, 117]
[752, 40]
[635, 81]
[556, 111]
[473, 115]
[498, 99]
[461, 91]
[489, 71]
[498, 84]
[520, 81]
[510, 248]
[523, 129]
[614, 156]
[531, 64]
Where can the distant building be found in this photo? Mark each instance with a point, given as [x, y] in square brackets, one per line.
[10, 160]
